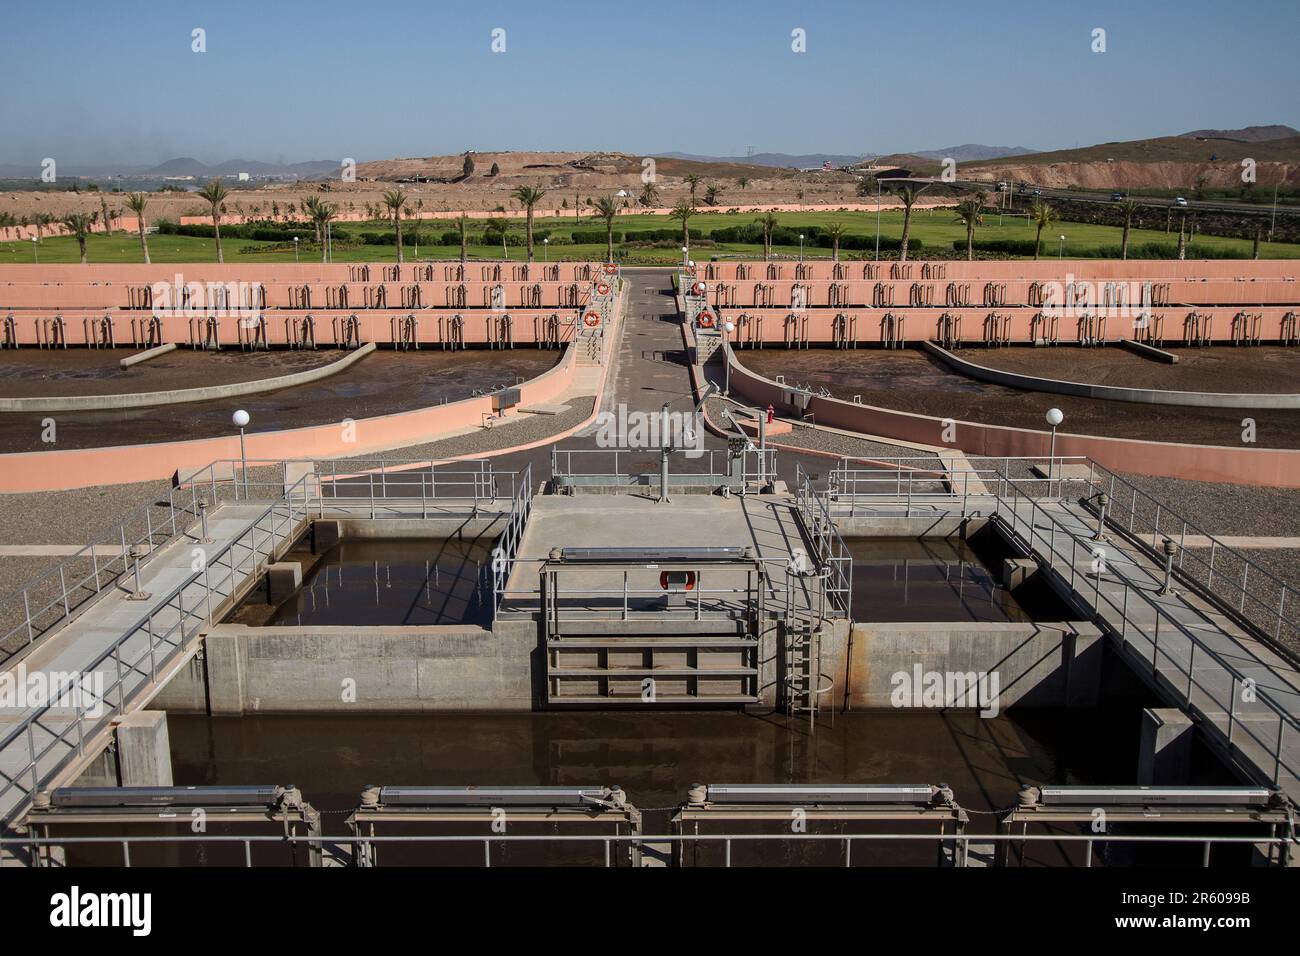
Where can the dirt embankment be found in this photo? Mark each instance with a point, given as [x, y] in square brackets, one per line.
[1123, 174]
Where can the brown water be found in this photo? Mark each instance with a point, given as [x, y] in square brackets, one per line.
[926, 579]
[380, 582]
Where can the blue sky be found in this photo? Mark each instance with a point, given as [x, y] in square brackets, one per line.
[116, 82]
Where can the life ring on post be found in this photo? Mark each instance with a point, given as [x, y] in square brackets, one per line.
[705, 320]
[685, 580]
[602, 288]
[610, 268]
[699, 288]
[591, 319]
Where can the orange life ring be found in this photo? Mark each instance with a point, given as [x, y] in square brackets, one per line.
[689, 582]
[610, 268]
[698, 288]
[705, 320]
[602, 288]
[591, 320]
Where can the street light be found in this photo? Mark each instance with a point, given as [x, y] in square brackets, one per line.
[729, 327]
[35, 255]
[685, 252]
[546, 248]
[295, 248]
[1054, 417]
[1061, 249]
[240, 418]
[801, 247]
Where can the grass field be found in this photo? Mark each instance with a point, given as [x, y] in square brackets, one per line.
[937, 229]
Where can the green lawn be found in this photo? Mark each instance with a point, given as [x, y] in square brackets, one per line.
[937, 230]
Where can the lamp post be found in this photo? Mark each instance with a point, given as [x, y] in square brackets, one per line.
[240, 418]
[685, 253]
[877, 218]
[1054, 417]
[729, 327]
[801, 247]
[1060, 251]
[295, 249]
[35, 254]
[546, 248]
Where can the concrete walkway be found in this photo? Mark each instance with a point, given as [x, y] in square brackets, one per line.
[121, 649]
[1191, 652]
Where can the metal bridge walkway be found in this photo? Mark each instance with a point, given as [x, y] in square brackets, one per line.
[1243, 694]
[122, 649]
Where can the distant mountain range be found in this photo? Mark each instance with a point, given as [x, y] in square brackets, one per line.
[965, 153]
[180, 167]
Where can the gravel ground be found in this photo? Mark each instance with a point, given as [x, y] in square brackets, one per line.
[1225, 369]
[910, 381]
[47, 372]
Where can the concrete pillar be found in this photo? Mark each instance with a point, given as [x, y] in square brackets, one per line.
[324, 535]
[1081, 658]
[1165, 753]
[283, 578]
[144, 753]
[225, 674]
[1016, 571]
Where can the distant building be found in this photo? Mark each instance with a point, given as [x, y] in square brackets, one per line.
[243, 177]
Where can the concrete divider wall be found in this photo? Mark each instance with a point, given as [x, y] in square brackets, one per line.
[178, 396]
[83, 467]
[946, 270]
[1114, 393]
[357, 670]
[1037, 664]
[1248, 466]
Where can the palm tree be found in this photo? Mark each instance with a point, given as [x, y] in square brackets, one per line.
[41, 220]
[323, 214]
[711, 195]
[462, 223]
[743, 182]
[137, 202]
[79, 224]
[691, 180]
[908, 195]
[835, 231]
[683, 211]
[214, 194]
[395, 199]
[1044, 215]
[1128, 209]
[970, 212]
[528, 197]
[607, 208]
[649, 195]
[768, 222]
[311, 206]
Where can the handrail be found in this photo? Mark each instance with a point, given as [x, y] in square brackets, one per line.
[832, 553]
[145, 622]
[1195, 644]
[1250, 570]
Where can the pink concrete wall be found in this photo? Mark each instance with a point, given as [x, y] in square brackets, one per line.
[85, 467]
[1004, 271]
[1247, 466]
[816, 326]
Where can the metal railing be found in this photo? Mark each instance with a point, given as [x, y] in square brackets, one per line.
[1208, 683]
[144, 646]
[961, 848]
[623, 465]
[829, 548]
[857, 485]
[1255, 597]
[507, 549]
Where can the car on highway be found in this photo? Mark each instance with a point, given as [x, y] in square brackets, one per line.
[1118, 196]
[1180, 201]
